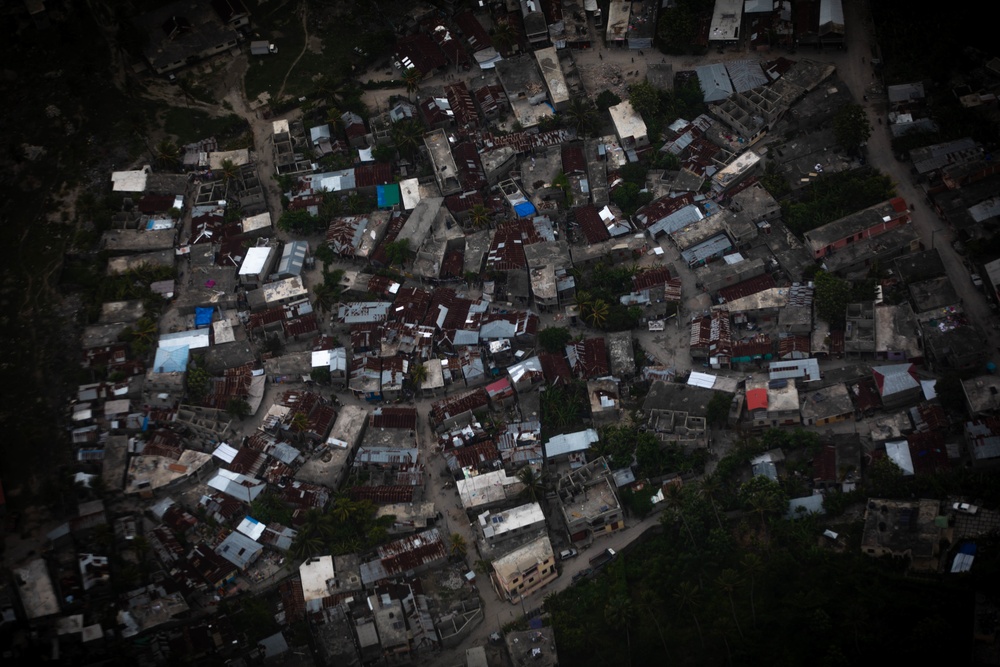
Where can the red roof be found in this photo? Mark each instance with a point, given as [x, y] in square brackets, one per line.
[791, 344]
[757, 399]
[398, 418]
[757, 346]
[556, 368]
[825, 463]
[382, 495]
[422, 52]
[474, 32]
[649, 279]
[462, 105]
[370, 175]
[573, 160]
[747, 287]
[591, 224]
[928, 453]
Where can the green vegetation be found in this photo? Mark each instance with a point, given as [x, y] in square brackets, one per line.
[268, 508]
[833, 196]
[851, 127]
[751, 589]
[659, 108]
[833, 294]
[624, 445]
[677, 29]
[718, 409]
[348, 527]
[554, 339]
[606, 99]
[190, 125]
[563, 408]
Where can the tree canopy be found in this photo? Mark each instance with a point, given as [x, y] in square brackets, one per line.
[851, 127]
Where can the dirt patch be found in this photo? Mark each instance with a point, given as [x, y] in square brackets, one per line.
[314, 44]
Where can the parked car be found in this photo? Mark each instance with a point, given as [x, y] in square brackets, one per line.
[566, 554]
[581, 574]
[965, 508]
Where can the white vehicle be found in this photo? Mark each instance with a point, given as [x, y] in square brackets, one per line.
[965, 508]
[566, 554]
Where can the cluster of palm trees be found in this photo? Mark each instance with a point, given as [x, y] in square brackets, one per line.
[594, 310]
[347, 527]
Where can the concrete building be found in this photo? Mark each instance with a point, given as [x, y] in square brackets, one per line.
[524, 571]
[906, 529]
[869, 222]
[589, 505]
[443, 162]
[496, 528]
[552, 75]
[629, 127]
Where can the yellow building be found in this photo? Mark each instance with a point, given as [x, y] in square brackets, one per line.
[524, 570]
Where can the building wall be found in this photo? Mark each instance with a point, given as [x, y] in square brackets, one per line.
[528, 581]
[874, 230]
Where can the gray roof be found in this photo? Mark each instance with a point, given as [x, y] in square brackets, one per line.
[568, 443]
[713, 246]
[746, 74]
[906, 91]
[679, 219]
[239, 549]
[896, 378]
[715, 83]
[293, 258]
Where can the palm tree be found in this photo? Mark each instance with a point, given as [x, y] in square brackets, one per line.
[752, 566]
[408, 135]
[583, 301]
[307, 545]
[651, 604]
[341, 510]
[598, 314]
[397, 252]
[326, 297]
[479, 216]
[674, 498]
[580, 114]
[618, 613]
[418, 375]
[229, 171]
[167, 155]
[534, 485]
[457, 544]
[728, 580]
[709, 488]
[687, 597]
[411, 77]
[503, 35]
[299, 422]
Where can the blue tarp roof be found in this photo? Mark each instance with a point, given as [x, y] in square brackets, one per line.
[388, 195]
[202, 317]
[524, 210]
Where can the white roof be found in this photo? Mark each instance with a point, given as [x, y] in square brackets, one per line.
[225, 452]
[628, 122]
[321, 358]
[701, 380]
[255, 222]
[193, 339]
[899, 452]
[568, 443]
[410, 192]
[314, 573]
[255, 261]
[236, 485]
[251, 527]
[129, 181]
[495, 525]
